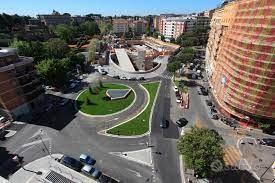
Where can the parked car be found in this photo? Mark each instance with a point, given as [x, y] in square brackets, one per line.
[2, 119]
[123, 78]
[141, 78]
[87, 159]
[116, 77]
[72, 85]
[176, 89]
[96, 174]
[178, 99]
[181, 122]
[208, 102]
[106, 179]
[199, 91]
[268, 142]
[88, 170]
[164, 123]
[71, 163]
[133, 79]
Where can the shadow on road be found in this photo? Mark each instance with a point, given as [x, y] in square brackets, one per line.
[57, 116]
[233, 174]
[7, 165]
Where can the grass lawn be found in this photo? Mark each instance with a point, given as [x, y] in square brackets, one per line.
[100, 106]
[140, 124]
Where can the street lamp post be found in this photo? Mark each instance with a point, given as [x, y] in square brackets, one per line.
[44, 143]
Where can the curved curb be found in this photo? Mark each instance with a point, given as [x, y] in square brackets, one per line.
[106, 115]
[104, 132]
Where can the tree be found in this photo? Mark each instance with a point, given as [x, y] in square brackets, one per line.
[105, 27]
[162, 37]
[100, 83]
[65, 32]
[23, 47]
[53, 72]
[56, 48]
[89, 28]
[93, 46]
[201, 148]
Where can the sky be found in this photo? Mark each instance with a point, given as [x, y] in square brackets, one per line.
[106, 7]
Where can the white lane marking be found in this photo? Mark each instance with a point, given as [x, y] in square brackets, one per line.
[135, 172]
[26, 149]
[35, 142]
[18, 123]
[112, 119]
[36, 133]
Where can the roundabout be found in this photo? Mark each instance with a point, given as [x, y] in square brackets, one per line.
[96, 100]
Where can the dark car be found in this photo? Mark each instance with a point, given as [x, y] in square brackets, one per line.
[208, 102]
[164, 123]
[106, 179]
[87, 159]
[71, 163]
[96, 174]
[116, 77]
[268, 142]
[141, 78]
[133, 79]
[181, 122]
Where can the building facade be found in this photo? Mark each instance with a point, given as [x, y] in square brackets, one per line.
[240, 60]
[139, 26]
[120, 26]
[54, 19]
[20, 90]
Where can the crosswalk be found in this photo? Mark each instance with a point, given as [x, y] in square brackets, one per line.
[231, 156]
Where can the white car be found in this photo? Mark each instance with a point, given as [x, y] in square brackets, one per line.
[123, 78]
[176, 89]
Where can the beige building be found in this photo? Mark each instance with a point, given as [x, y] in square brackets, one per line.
[120, 26]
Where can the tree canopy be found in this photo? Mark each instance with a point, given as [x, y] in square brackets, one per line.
[201, 148]
[65, 32]
[56, 48]
[93, 46]
[89, 28]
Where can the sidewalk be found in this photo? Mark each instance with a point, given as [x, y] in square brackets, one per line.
[45, 169]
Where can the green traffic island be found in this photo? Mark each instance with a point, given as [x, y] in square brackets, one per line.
[96, 100]
[140, 124]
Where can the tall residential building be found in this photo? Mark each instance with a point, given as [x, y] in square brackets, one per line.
[120, 26]
[139, 26]
[240, 59]
[20, 90]
[156, 23]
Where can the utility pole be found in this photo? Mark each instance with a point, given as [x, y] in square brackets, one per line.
[41, 131]
[266, 170]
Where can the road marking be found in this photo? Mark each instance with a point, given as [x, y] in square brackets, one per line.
[26, 149]
[18, 123]
[112, 120]
[36, 133]
[231, 155]
[35, 142]
[135, 172]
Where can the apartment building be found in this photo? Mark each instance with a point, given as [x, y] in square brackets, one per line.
[120, 26]
[20, 90]
[54, 19]
[139, 26]
[240, 60]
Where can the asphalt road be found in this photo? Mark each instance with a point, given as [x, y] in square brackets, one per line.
[166, 160]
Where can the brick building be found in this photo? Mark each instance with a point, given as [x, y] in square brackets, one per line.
[20, 90]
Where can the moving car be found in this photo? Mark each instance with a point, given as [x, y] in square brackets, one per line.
[164, 123]
[71, 163]
[87, 159]
[181, 122]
